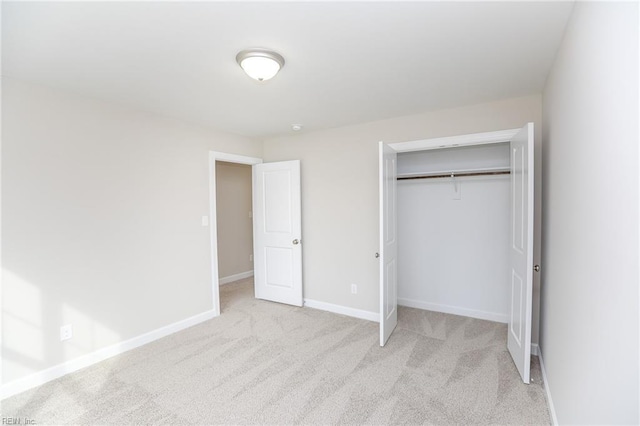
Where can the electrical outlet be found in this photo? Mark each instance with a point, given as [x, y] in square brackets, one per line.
[354, 289]
[66, 332]
[250, 258]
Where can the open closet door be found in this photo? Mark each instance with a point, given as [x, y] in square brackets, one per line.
[277, 232]
[521, 250]
[388, 243]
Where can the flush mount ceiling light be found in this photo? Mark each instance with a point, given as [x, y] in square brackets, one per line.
[260, 64]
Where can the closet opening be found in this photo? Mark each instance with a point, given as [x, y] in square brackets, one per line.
[456, 231]
[453, 230]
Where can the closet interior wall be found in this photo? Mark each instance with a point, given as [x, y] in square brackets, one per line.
[453, 233]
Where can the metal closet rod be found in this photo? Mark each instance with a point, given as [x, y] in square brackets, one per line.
[456, 174]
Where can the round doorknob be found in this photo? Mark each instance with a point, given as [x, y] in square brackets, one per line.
[536, 268]
[296, 242]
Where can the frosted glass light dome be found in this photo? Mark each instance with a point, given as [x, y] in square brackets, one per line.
[260, 64]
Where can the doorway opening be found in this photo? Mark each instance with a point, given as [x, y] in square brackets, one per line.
[231, 226]
[276, 229]
[234, 228]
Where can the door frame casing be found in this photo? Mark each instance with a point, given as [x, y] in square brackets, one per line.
[456, 141]
[213, 221]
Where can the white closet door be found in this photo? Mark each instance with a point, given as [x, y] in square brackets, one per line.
[521, 250]
[388, 242]
[277, 232]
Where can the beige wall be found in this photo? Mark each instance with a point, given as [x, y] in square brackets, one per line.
[101, 221]
[340, 191]
[589, 327]
[235, 227]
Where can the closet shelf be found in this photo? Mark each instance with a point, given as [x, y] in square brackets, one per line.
[456, 173]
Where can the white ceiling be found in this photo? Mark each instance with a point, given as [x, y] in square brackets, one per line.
[345, 62]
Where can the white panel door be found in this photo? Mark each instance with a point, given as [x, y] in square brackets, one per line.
[277, 232]
[388, 243]
[521, 250]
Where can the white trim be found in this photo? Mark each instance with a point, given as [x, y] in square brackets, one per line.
[44, 376]
[535, 349]
[1, 222]
[1, 269]
[638, 159]
[342, 310]
[235, 277]
[453, 141]
[234, 158]
[455, 310]
[213, 218]
[552, 409]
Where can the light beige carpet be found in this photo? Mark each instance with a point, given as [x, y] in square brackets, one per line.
[267, 363]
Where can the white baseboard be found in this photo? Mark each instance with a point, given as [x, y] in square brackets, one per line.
[552, 410]
[44, 376]
[235, 277]
[535, 349]
[447, 309]
[343, 310]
